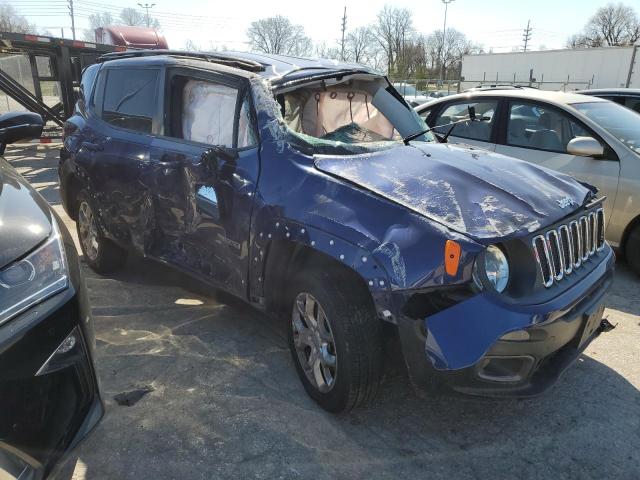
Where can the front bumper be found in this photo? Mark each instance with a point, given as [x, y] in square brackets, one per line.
[49, 397]
[484, 346]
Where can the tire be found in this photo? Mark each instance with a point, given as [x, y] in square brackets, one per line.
[351, 334]
[632, 249]
[100, 253]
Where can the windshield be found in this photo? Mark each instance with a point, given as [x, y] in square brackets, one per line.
[360, 112]
[621, 122]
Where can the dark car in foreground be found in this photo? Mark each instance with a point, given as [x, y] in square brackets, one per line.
[312, 190]
[49, 397]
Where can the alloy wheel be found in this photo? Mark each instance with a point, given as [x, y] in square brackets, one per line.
[314, 342]
[88, 232]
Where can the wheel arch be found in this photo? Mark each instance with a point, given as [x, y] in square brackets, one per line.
[279, 252]
[73, 186]
[631, 226]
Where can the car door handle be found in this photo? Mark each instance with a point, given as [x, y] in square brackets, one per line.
[94, 147]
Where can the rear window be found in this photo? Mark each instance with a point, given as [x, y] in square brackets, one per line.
[130, 98]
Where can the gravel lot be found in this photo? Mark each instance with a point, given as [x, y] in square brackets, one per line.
[227, 402]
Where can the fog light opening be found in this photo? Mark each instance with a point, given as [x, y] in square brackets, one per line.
[505, 369]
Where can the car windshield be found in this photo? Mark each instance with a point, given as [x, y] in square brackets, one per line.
[621, 122]
[357, 113]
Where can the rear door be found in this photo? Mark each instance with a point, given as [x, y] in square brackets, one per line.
[539, 133]
[477, 133]
[117, 147]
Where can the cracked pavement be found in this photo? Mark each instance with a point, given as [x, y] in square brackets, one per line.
[227, 402]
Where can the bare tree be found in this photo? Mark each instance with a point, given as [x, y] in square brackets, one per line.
[278, 35]
[393, 29]
[613, 25]
[360, 45]
[97, 20]
[322, 50]
[135, 18]
[450, 48]
[11, 21]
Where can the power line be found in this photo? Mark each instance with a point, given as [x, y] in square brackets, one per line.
[527, 35]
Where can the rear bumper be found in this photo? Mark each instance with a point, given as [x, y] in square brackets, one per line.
[50, 397]
[485, 347]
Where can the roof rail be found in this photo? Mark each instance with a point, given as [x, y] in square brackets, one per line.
[499, 86]
[229, 60]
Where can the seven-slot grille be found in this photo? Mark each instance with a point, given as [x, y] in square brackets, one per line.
[561, 251]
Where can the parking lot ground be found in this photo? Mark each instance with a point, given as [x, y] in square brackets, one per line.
[227, 402]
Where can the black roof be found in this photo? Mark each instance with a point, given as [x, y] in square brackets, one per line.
[277, 68]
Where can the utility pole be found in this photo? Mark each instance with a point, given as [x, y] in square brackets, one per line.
[344, 29]
[73, 20]
[147, 6]
[527, 35]
[444, 37]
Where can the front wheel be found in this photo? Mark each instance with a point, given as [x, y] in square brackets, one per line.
[100, 253]
[335, 339]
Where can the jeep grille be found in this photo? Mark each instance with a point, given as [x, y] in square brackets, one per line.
[560, 251]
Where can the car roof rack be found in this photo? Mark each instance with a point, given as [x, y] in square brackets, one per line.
[228, 60]
[499, 86]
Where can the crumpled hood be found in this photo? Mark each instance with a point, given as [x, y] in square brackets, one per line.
[24, 219]
[481, 194]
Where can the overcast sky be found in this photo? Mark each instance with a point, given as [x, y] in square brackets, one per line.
[496, 24]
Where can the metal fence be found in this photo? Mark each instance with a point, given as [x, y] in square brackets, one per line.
[20, 69]
[565, 84]
[425, 86]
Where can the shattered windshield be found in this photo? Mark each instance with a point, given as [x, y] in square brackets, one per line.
[362, 112]
[619, 121]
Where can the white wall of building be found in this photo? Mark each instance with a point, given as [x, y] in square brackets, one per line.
[556, 69]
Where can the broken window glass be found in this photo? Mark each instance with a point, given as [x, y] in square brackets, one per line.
[361, 113]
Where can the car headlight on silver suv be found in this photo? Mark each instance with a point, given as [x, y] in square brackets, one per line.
[34, 278]
[495, 269]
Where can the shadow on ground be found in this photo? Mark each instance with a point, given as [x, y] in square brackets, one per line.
[227, 403]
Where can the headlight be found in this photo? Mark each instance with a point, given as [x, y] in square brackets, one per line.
[39, 275]
[496, 269]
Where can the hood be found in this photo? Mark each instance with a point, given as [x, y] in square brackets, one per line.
[25, 220]
[480, 194]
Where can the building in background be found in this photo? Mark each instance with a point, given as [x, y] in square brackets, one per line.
[568, 70]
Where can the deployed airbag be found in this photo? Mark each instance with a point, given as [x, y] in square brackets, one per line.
[208, 113]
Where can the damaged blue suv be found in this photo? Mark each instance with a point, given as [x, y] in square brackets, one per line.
[312, 190]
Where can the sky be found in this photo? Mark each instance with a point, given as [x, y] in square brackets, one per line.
[495, 24]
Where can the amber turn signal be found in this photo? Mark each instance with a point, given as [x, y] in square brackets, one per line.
[451, 257]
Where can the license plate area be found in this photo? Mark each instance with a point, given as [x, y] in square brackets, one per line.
[591, 324]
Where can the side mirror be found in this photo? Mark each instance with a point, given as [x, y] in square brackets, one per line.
[585, 147]
[17, 126]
